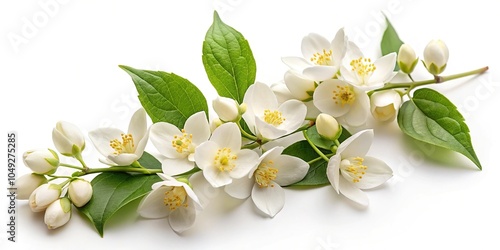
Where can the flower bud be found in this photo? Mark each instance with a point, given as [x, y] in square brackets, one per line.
[436, 56]
[27, 183]
[328, 127]
[300, 86]
[43, 161]
[226, 108]
[215, 123]
[407, 59]
[384, 105]
[45, 194]
[68, 139]
[80, 192]
[58, 213]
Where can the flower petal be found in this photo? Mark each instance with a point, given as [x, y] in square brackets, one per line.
[162, 134]
[267, 130]
[138, 124]
[357, 145]
[323, 98]
[378, 173]
[296, 63]
[360, 109]
[247, 159]
[176, 166]
[294, 112]
[384, 70]
[299, 85]
[353, 193]
[102, 137]
[182, 218]
[320, 72]
[290, 169]
[123, 159]
[203, 189]
[205, 153]
[333, 171]
[152, 205]
[197, 125]
[240, 188]
[348, 75]
[312, 44]
[269, 200]
[338, 46]
[216, 178]
[262, 98]
[227, 135]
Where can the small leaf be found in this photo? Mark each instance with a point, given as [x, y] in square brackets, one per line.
[316, 175]
[390, 41]
[112, 191]
[319, 141]
[167, 97]
[149, 161]
[228, 60]
[432, 118]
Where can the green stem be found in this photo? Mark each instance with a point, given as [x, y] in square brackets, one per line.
[316, 149]
[245, 134]
[78, 156]
[437, 79]
[71, 166]
[319, 158]
[65, 182]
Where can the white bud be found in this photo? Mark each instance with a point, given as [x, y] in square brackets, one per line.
[436, 56]
[328, 127]
[215, 123]
[67, 138]
[299, 86]
[407, 59]
[45, 194]
[384, 105]
[58, 213]
[80, 192]
[26, 184]
[43, 161]
[226, 108]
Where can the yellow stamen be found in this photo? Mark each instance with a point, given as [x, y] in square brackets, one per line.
[344, 95]
[353, 168]
[363, 66]
[224, 160]
[323, 58]
[274, 118]
[265, 173]
[183, 143]
[124, 146]
[175, 198]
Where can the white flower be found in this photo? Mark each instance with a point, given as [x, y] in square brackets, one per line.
[58, 213]
[349, 170]
[299, 86]
[171, 198]
[121, 148]
[436, 56]
[80, 192]
[178, 146]
[26, 184]
[328, 127]
[274, 170]
[407, 59]
[67, 138]
[321, 59]
[266, 118]
[222, 159]
[365, 73]
[43, 161]
[226, 108]
[385, 104]
[342, 100]
[45, 194]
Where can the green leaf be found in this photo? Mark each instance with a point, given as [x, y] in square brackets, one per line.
[319, 141]
[112, 191]
[228, 60]
[432, 118]
[149, 161]
[390, 41]
[316, 175]
[167, 97]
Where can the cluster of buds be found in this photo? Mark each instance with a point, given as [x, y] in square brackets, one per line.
[55, 199]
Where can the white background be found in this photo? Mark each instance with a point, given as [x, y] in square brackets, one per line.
[66, 69]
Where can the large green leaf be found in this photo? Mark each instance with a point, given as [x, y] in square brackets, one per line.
[432, 118]
[390, 41]
[228, 60]
[167, 97]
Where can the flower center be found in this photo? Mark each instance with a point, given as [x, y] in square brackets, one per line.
[323, 58]
[182, 143]
[265, 173]
[274, 118]
[344, 95]
[353, 169]
[363, 67]
[224, 160]
[124, 146]
[175, 198]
